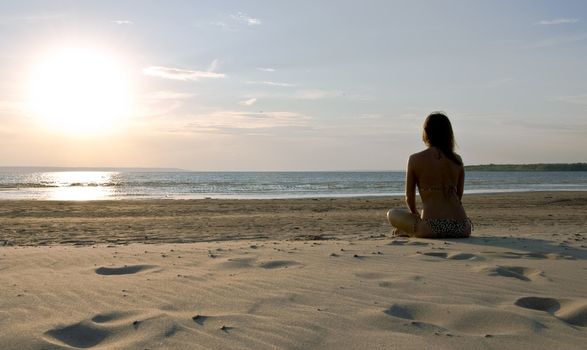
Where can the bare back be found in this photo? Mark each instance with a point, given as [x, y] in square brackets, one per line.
[440, 183]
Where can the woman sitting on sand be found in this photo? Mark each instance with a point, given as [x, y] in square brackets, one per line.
[439, 174]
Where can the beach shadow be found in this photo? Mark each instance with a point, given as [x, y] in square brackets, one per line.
[524, 247]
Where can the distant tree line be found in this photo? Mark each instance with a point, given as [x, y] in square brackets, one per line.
[528, 167]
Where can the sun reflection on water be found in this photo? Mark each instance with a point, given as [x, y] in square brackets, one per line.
[79, 185]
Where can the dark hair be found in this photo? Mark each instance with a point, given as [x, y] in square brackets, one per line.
[438, 133]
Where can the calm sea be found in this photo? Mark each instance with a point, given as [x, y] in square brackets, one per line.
[94, 185]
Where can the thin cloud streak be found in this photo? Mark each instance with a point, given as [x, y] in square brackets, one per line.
[262, 69]
[575, 99]
[213, 65]
[123, 22]
[246, 19]
[32, 17]
[271, 83]
[557, 21]
[305, 94]
[316, 94]
[248, 102]
[558, 41]
[180, 74]
[227, 121]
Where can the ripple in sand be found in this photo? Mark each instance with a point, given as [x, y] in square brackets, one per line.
[124, 270]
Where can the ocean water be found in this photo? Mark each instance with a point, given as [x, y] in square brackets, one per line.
[99, 185]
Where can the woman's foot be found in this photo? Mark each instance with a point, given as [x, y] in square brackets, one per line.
[399, 233]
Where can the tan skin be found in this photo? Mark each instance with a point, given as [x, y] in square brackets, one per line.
[440, 182]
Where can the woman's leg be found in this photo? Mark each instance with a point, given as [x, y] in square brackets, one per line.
[409, 223]
[403, 220]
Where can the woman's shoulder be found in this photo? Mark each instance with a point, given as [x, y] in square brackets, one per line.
[425, 156]
[420, 155]
[417, 160]
[460, 159]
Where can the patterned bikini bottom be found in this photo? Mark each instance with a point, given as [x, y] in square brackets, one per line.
[450, 228]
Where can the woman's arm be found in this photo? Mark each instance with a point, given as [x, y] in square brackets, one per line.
[411, 182]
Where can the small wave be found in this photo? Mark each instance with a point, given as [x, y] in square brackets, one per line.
[92, 184]
[55, 185]
[27, 185]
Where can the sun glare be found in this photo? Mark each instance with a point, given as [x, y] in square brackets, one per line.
[79, 91]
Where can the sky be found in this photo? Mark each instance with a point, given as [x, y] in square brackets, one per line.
[289, 85]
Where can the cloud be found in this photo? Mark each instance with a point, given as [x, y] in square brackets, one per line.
[233, 22]
[495, 83]
[231, 121]
[38, 17]
[309, 94]
[557, 21]
[571, 127]
[248, 102]
[271, 83]
[316, 94]
[371, 116]
[180, 74]
[213, 65]
[575, 99]
[123, 21]
[245, 19]
[265, 69]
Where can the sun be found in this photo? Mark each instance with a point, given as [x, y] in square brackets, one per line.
[79, 91]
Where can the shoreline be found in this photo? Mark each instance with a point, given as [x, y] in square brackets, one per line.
[285, 197]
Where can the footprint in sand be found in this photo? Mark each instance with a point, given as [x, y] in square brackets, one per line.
[518, 272]
[84, 334]
[112, 317]
[200, 319]
[466, 319]
[371, 275]
[116, 330]
[407, 242]
[531, 255]
[453, 256]
[124, 270]
[237, 263]
[571, 311]
[279, 264]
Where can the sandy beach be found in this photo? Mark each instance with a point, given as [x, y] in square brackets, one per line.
[291, 274]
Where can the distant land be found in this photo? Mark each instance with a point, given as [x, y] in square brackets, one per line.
[57, 168]
[528, 167]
